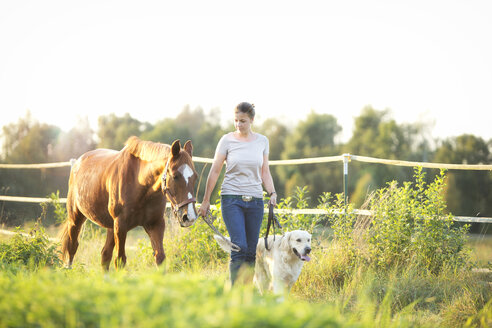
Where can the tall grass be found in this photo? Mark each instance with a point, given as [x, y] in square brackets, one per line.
[363, 273]
[151, 299]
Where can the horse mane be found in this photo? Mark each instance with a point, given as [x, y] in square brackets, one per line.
[146, 150]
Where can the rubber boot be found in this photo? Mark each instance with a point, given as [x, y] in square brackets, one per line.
[234, 267]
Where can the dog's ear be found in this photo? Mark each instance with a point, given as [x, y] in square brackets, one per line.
[285, 242]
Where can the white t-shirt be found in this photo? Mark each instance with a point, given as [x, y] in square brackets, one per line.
[244, 160]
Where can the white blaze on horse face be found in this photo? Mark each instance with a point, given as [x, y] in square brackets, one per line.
[186, 171]
[191, 211]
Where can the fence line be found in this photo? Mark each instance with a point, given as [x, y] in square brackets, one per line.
[307, 211]
[35, 166]
[366, 159]
[313, 160]
[345, 158]
[29, 199]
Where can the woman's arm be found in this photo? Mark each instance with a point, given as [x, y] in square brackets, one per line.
[267, 179]
[213, 175]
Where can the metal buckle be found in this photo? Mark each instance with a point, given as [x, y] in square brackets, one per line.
[247, 198]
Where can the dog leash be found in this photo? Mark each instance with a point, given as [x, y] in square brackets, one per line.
[272, 221]
[208, 221]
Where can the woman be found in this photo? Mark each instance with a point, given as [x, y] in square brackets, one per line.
[246, 156]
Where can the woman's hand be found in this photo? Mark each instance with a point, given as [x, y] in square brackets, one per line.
[204, 208]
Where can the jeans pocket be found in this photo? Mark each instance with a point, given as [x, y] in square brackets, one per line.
[227, 202]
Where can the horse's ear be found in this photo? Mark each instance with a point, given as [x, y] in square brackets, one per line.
[188, 147]
[175, 148]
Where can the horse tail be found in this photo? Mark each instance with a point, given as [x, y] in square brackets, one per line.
[69, 234]
[64, 238]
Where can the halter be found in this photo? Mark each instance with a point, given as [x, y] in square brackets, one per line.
[174, 204]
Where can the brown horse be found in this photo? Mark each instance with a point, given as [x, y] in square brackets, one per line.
[120, 190]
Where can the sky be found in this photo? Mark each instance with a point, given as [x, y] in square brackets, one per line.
[426, 61]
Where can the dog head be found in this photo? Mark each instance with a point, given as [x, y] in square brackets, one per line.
[299, 242]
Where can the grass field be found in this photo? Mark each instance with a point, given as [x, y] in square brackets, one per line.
[183, 293]
[481, 250]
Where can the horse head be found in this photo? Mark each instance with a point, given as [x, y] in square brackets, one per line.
[178, 183]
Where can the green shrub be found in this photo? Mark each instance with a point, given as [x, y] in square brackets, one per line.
[59, 208]
[34, 250]
[194, 248]
[409, 226]
[189, 249]
[294, 221]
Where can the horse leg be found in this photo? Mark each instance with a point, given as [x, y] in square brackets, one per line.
[107, 251]
[120, 231]
[156, 235]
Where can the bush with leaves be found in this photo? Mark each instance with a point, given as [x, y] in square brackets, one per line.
[59, 208]
[32, 250]
[341, 217]
[295, 221]
[189, 249]
[409, 225]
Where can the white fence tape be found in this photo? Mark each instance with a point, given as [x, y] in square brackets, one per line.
[35, 166]
[315, 211]
[314, 160]
[339, 158]
[29, 199]
[422, 164]
[307, 211]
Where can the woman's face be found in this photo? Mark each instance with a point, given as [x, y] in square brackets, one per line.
[242, 122]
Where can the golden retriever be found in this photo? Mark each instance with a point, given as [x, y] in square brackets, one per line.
[278, 268]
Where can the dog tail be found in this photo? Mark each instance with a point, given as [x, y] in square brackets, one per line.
[226, 246]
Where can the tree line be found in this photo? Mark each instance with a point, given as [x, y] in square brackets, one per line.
[375, 134]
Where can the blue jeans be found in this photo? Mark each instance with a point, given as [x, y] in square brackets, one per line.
[243, 221]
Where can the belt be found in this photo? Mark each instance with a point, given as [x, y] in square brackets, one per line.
[243, 197]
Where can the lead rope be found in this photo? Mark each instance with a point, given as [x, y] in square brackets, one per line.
[272, 221]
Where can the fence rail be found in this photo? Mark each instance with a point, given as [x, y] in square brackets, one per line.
[308, 211]
[36, 166]
[345, 158]
[28, 199]
[313, 160]
[482, 167]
